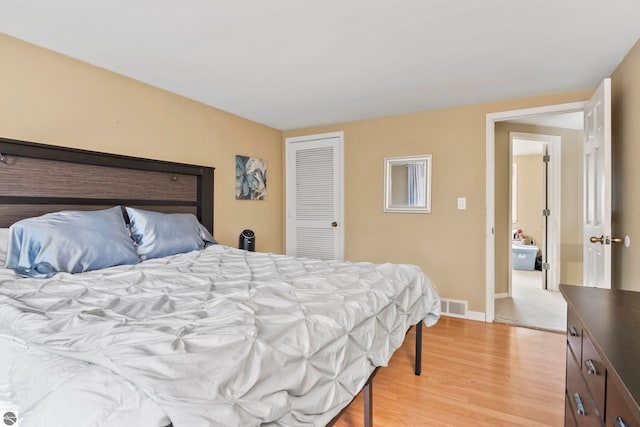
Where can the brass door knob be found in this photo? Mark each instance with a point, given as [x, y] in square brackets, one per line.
[605, 240]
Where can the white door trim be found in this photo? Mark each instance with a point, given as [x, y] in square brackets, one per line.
[289, 186]
[490, 179]
[555, 205]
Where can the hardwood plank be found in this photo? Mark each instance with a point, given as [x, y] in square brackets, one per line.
[473, 373]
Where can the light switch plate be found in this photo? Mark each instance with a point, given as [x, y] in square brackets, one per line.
[462, 203]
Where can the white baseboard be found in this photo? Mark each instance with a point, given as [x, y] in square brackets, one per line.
[471, 315]
[503, 295]
[476, 315]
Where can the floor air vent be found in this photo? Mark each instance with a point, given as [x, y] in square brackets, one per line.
[454, 308]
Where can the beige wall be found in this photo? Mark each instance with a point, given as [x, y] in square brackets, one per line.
[571, 202]
[530, 196]
[50, 98]
[626, 173]
[447, 244]
[571, 229]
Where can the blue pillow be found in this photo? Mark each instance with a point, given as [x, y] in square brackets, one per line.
[69, 241]
[158, 234]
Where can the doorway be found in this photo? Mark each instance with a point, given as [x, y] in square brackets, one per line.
[496, 237]
[529, 231]
[533, 299]
[536, 194]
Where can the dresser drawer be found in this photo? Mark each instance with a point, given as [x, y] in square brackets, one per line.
[580, 399]
[593, 371]
[618, 412]
[574, 334]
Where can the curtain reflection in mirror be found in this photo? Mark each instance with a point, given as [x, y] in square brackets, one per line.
[416, 184]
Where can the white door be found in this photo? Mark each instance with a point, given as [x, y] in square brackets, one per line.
[314, 188]
[597, 188]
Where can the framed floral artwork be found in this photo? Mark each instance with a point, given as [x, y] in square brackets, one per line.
[251, 178]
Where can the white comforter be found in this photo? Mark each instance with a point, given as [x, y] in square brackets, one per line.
[220, 337]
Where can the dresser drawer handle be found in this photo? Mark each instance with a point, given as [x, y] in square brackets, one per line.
[619, 422]
[591, 368]
[572, 331]
[579, 405]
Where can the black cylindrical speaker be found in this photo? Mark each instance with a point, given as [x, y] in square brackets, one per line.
[247, 241]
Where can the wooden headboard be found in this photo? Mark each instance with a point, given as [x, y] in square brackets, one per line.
[36, 179]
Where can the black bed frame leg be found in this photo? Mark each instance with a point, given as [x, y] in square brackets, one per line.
[368, 403]
[419, 348]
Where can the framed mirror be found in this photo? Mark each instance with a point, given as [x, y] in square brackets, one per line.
[407, 184]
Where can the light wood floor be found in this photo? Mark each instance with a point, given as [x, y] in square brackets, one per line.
[473, 374]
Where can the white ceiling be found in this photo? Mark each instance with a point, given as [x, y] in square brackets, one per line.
[294, 63]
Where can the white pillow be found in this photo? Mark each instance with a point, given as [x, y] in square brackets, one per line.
[4, 243]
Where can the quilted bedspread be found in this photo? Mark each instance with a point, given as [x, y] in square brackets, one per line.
[223, 337]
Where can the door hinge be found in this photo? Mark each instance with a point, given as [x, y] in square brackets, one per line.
[546, 212]
[546, 266]
[546, 158]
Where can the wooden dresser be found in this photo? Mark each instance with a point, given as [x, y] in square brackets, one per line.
[603, 357]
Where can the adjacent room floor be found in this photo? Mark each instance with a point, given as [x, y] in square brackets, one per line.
[530, 305]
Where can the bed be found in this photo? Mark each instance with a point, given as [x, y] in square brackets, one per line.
[211, 337]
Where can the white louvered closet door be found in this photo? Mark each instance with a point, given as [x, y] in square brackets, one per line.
[314, 197]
